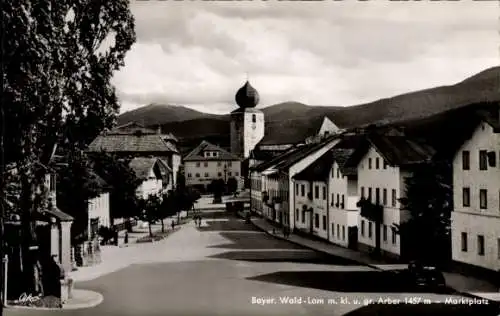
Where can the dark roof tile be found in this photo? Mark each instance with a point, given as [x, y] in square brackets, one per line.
[131, 144]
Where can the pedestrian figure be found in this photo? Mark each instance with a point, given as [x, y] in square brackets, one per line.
[199, 221]
[173, 224]
[126, 238]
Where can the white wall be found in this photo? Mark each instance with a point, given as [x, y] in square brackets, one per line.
[390, 179]
[301, 165]
[256, 191]
[320, 208]
[98, 207]
[471, 219]
[341, 218]
[208, 171]
[176, 163]
[245, 134]
[301, 200]
[328, 127]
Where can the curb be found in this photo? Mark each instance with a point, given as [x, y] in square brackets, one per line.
[93, 303]
[466, 294]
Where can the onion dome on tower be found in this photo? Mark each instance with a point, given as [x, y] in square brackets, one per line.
[247, 96]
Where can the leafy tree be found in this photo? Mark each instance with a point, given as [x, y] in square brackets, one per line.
[232, 185]
[428, 200]
[150, 210]
[58, 60]
[218, 186]
[76, 184]
[123, 182]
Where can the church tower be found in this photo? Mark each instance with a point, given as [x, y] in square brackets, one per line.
[247, 122]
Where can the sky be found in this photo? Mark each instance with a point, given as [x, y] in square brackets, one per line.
[198, 54]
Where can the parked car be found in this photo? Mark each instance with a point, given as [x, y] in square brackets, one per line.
[426, 277]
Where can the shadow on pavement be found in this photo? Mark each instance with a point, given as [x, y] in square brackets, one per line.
[242, 240]
[230, 225]
[344, 281]
[305, 256]
[426, 309]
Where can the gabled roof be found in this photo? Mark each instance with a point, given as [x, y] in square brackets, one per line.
[164, 169]
[349, 152]
[318, 170]
[142, 166]
[197, 153]
[291, 131]
[396, 150]
[126, 143]
[340, 156]
[102, 184]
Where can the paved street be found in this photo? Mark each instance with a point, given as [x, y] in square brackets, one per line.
[227, 267]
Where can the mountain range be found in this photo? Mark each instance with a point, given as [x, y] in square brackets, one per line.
[290, 122]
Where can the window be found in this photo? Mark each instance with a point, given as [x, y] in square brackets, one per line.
[343, 232]
[219, 174]
[316, 192]
[333, 229]
[464, 242]
[254, 118]
[370, 230]
[205, 164]
[362, 192]
[385, 164]
[480, 245]
[384, 197]
[394, 236]
[236, 174]
[229, 163]
[197, 164]
[206, 175]
[394, 198]
[376, 163]
[324, 193]
[483, 199]
[197, 175]
[338, 173]
[370, 194]
[324, 222]
[338, 231]
[483, 160]
[332, 199]
[302, 190]
[297, 214]
[466, 197]
[229, 173]
[219, 164]
[363, 227]
[384, 233]
[316, 220]
[338, 199]
[189, 175]
[369, 163]
[333, 172]
[297, 189]
[465, 160]
[303, 216]
[342, 204]
[377, 196]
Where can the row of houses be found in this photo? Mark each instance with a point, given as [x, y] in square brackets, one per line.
[315, 188]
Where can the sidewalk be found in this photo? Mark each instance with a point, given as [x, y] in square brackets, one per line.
[115, 258]
[461, 283]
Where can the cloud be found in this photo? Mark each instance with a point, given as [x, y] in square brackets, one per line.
[328, 53]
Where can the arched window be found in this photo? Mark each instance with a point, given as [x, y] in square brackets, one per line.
[254, 118]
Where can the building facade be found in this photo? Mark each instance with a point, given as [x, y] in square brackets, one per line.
[208, 162]
[152, 172]
[475, 220]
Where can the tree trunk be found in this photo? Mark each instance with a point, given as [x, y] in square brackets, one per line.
[28, 234]
[178, 217]
[150, 230]
[162, 226]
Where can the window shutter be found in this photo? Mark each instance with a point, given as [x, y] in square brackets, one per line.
[492, 159]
